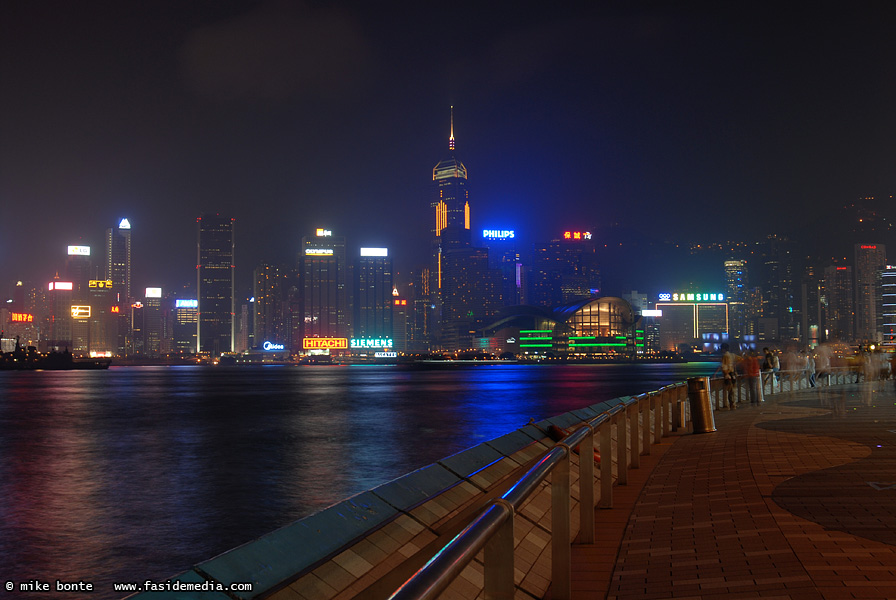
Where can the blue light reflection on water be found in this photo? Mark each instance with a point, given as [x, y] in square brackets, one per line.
[138, 473]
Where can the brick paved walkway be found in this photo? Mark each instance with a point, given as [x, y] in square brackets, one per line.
[793, 499]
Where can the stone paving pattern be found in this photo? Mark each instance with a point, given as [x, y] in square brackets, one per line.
[792, 499]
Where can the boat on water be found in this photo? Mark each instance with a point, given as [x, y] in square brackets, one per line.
[22, 359]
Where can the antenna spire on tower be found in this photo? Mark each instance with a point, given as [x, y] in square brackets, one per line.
[451, 138]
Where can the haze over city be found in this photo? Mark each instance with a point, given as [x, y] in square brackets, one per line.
[696, 122]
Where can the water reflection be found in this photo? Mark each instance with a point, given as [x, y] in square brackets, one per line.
[138, 473]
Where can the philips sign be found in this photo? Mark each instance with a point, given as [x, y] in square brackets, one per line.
[497, 234]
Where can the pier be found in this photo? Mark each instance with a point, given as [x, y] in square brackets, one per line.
[793, 498]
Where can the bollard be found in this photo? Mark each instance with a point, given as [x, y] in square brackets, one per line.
[701, 406]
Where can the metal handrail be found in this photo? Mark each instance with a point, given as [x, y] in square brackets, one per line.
[492, 528]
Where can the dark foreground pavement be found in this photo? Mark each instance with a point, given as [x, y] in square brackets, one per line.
[792, 499]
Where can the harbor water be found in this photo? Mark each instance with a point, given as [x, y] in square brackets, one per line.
[137, 473]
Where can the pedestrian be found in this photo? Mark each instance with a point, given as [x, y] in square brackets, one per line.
[752, 374]
[810, 367]
[729, 373]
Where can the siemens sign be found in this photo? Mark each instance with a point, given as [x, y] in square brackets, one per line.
[371, 343]
[497, 234]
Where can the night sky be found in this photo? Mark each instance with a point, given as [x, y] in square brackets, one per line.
[692, 122]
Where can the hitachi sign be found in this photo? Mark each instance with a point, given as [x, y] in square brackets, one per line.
[497, 234]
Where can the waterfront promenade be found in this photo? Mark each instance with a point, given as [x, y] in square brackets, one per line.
[792, 499]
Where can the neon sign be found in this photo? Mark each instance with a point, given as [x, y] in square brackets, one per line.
[80, 312]
[124, 224]
[154, 292]
[869, 247]
[318, 251]
[401, 303]
[385, 354]
[60, 285]
[691, 297]
[186, 303]
[497, 234]
[323, 232]
[271, 346]
[99, 283]
[79, 250]
[576, 235]
[115, 309]
[325, 343]
[371, 342]
[374, 252]
[21, 318]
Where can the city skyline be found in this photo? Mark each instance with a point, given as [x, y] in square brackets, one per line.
[582, 118]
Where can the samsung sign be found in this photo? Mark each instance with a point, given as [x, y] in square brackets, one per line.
[497, 234]
[272, 347]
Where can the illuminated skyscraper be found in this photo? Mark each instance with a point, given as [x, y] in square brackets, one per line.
[372, 294]
[838, 303]
[736, 289]
[451, 199]
[564, 270]
[118, 271]
[322, 268]
[118, 259]
[271, 305]
[888, 306]
[871, 259]
[215, 284]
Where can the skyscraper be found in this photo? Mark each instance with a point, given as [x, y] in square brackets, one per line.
[118, 271]
[871, 259]
[736, 289]
[118, 259]
[215, 284]
[450, 204]
[372, 312]
[888, 306]
[323, 302]
[564, 270]
[271, 306]
[838, 302]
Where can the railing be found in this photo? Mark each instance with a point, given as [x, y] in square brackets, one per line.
[639, 422]
[775, 382]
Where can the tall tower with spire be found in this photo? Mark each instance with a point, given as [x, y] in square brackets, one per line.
[450, 198]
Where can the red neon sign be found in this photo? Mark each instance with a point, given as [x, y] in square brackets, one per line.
[21, 318]
[576, 235]
[325, 343]
[869, 247]
[114, 309]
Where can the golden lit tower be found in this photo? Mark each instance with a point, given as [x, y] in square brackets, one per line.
[451, 199]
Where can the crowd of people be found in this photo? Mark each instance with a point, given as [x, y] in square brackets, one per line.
[814, 365]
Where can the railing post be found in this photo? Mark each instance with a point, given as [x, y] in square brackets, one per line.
[667, 410]
[739, 382]
[621, 447]
[498, 568]
[586, 488]
[634, 411]
[561, 552]
[606, 465]
[658, 418]
[645, 425]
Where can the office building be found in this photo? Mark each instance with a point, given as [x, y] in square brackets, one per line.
[271, 305]
[871, 259]
[153, 326]
[838, 304]
[564, 270]
[215, 284]
[186, 319]
[888, 307]
[323, 276]
[372, 294]
[736, 289]
[59, 319]
[118, 271]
